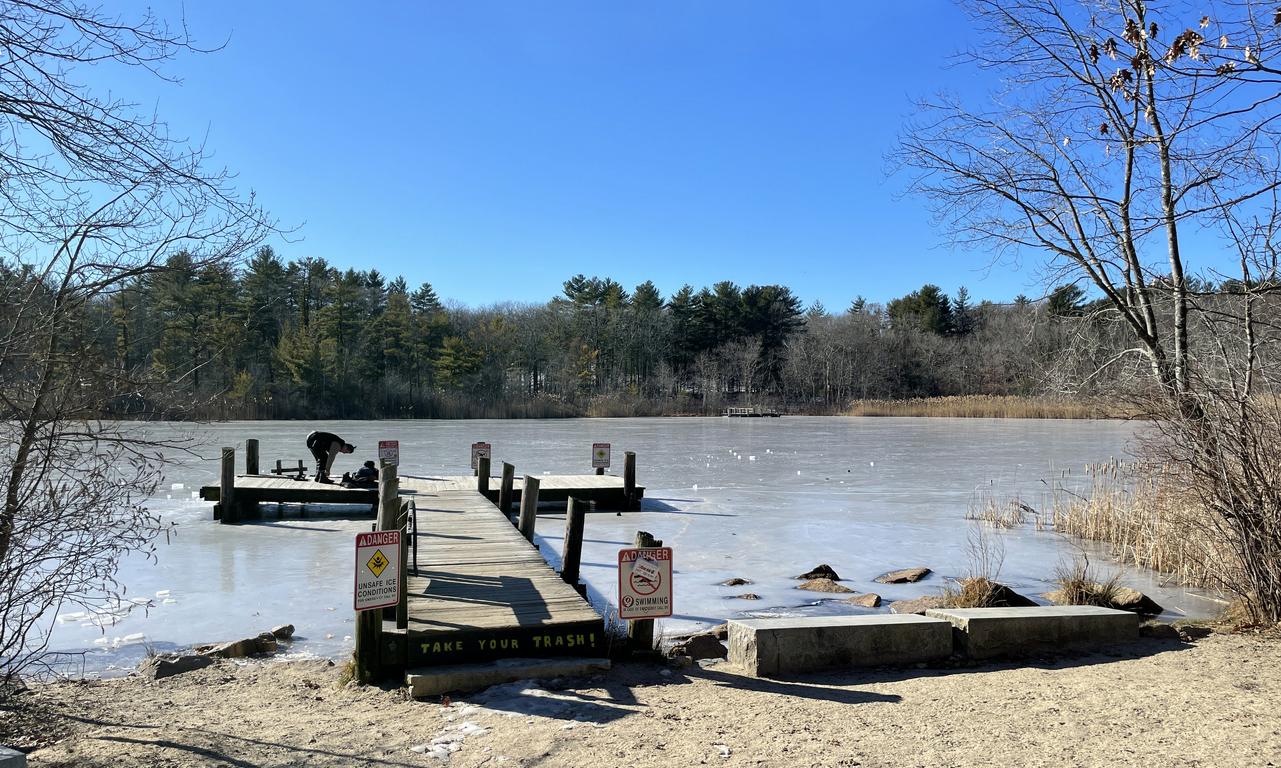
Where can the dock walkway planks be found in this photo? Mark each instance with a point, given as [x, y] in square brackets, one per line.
[482, 592]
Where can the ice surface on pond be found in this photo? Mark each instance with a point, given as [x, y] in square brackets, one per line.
[863, 495]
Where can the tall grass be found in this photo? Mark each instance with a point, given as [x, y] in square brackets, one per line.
[1138, 510]
[986, 407]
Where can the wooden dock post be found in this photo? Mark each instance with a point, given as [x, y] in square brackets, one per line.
[227, 488]
[572, 553]
[629, 481]
[402, 599]
[505, 489]
[369, 624]
[482, 474]
[600, 470]
[251, 456]
[640, 632]
[528, 508]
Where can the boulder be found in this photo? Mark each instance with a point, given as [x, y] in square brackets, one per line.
[159, 667]
[283, 632]
[1133, 600]
[264, 643]
[1002, 596]
[823, 571]
[823, 585]
[748, 596]
[735, 582]
[904, 576]
[721, 631]
[704, 646]
[866, 600]
[918, 606]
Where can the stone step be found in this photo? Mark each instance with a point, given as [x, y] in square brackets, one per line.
[433, 681]
[772, 647]
[986, 633]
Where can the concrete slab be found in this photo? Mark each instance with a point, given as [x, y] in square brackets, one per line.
[12, 758]
[772, 647]
[986, 633]
[433, 681]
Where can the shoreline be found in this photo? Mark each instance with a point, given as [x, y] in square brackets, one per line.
[1206, 701]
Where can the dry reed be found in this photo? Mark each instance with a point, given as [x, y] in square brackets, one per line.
[1139, 512]
[986, 407]
[1010, 513]
[1078, 585]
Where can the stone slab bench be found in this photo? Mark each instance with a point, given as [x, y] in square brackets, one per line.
[773, 647]
[985, 633]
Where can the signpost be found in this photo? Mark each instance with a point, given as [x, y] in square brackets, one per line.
[645, 583]
[600, 455]
[377, 570]
[478, 450]
[389, 452]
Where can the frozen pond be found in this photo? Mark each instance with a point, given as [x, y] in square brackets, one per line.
[761, 499]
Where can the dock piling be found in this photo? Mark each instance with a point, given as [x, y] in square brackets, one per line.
[572, 553]
[505, 489]
[227, 489]
[640, 632]
[482, 475]
[251, 456]
[629, 481]
[528, 508]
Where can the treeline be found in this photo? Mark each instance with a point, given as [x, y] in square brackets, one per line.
[303, 339]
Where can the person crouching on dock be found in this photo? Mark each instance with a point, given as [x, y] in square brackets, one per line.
[324, 446]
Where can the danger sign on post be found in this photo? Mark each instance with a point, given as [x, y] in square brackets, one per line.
[645, 583]
[600, 455]
[478, 450]
[377, 569]
[389, 451]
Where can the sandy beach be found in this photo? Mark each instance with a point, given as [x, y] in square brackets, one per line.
[1208, 702]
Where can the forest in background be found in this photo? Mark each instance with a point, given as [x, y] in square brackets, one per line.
[303, 339]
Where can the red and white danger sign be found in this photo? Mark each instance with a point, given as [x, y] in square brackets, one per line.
[377, 569]
[478, 450]
[645, 583]
[600, 455]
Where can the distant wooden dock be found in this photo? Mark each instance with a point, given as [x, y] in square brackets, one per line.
[482, 592]
[751, 411]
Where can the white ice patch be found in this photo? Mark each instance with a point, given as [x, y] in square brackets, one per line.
[449, 741]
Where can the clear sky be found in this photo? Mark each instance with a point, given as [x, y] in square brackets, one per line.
[495, 149]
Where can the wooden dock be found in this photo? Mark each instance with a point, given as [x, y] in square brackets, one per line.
[482, 592]
[607, 491]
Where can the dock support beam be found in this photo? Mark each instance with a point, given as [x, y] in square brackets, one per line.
[251, 456]
[528, 508]
[505, 489]
[640, 632]
[572, 554]
[482, 475]
[629, 482]
[229, 512]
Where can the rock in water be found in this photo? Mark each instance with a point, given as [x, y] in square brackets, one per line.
[1133, 600]
[996, 595]
[867, 600]
[823, 571]
[283, 632]
[735, 582]
[904, 576]
[704, 646]
[159, 667]
[919, 606]
[823, 585]
[721, 631]
[748, 596]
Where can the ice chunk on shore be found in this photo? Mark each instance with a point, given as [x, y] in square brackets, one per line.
[162, 593]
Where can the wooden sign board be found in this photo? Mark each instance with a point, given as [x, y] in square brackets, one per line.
[645, 583]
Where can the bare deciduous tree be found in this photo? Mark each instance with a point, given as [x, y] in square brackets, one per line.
[93, 194]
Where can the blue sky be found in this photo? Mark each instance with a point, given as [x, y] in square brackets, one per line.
[495, 149]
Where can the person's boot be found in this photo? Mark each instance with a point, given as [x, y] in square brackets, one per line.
[323, 478]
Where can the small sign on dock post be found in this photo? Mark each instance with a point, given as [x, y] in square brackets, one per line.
[389, 452]
[377, 570]
[645, 583]
[600, 455]
[478, 450]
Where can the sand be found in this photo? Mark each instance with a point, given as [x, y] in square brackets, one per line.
[1213, 702]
